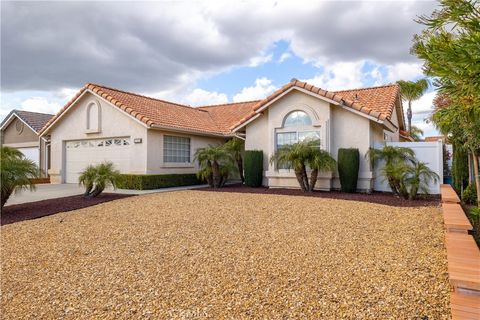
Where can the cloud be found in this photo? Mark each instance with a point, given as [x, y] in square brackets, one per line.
[338, 76]
[284, 57]
[157, 46]
[200, 97]
[262, 88]
[256, 61]
[404, 71]
[40, 104]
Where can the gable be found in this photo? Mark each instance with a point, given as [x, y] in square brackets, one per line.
[17, 131]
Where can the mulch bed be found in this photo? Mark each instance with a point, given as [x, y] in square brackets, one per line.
[375, 197]
[38, 209]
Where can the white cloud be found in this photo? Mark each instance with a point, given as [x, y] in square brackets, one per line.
[200, 97]
[40, 104]
[256, 61]
[284, 57]
[262, 88]
[338, 76]
[404, 71]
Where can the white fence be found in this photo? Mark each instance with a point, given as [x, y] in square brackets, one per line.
[429, 152]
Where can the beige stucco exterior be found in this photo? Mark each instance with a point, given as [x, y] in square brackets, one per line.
[338, 127]
[145, 151]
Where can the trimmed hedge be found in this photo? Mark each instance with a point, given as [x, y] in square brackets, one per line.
[253, 167]
[348, 166]
[156, 181]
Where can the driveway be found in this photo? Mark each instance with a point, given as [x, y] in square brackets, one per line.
[53, 191]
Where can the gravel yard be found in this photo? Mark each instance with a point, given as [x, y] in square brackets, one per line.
[196, 254]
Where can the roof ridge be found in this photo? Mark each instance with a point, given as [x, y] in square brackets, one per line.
[367, 88]
[139, 95]
[229, 103]
[19, 110]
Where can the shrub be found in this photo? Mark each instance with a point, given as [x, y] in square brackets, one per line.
[469, 195]
[348, 166]
[96, 178]
[459, 168]
[156, 181]
[253, 168]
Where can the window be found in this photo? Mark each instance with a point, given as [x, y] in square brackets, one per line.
[176, 149]
[297, 118]
[297, 126]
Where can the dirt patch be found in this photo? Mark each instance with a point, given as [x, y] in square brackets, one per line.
[38, 209]
[196, 255]
[375, 197]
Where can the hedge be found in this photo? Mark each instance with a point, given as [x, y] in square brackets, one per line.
[156, 181]
[348, 166]
[459, 168]
[253, 168]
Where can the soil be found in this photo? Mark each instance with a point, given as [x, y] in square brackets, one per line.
[375, 197]
[38, 209]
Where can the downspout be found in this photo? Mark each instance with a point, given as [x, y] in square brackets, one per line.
[47, 144]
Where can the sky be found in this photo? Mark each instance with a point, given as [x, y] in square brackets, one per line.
[205, 52]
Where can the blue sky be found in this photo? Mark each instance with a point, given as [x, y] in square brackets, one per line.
[223, 52]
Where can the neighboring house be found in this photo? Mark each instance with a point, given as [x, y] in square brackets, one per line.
[436, 138]
[20, 130]
[143, 135]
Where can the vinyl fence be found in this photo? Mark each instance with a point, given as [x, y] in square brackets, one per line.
[428, 152]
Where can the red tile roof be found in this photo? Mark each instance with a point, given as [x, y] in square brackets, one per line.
[377, 102]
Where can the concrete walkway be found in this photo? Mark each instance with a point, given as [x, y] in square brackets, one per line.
[52, 191]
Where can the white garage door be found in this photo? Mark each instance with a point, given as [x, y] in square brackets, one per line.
[31, 154]
[81, 153]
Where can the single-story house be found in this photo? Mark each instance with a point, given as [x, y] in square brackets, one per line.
[143, 135]
[20, 130]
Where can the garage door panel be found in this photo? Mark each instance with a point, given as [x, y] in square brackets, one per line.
[80, 154]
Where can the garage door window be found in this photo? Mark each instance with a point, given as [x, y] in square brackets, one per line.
[98, 143]
[176, 149]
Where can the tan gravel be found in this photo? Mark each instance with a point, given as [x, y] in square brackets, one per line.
[193, 254]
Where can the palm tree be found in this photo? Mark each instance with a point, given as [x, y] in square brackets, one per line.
[416, 133]
[411, 91]
[300, 155]
[236, 147]
[321, 161]
[97, 178]
[16, 173]
[394, 169]
[215, 165]
[418, 177]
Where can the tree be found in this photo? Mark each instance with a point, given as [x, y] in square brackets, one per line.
[215, 165]
[418, 176]
[411, 91]
[451, 54]
[236, 148]
[395, 168]
[416, 133]
[97, 178]
[16, 173]
[301, 155]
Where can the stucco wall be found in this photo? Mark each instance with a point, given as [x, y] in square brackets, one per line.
[339, 128]
[27, 138]
[114, 123]
[155, 164]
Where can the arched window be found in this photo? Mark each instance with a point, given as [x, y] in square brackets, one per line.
[297, 118]
[93, 117]
[297, 126]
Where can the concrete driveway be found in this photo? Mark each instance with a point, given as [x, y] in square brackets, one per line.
[52, 191]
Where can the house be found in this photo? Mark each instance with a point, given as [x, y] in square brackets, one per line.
[20, 130]
[143, 135]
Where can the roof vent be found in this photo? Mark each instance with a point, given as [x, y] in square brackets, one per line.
[356, 97]
[293, 80]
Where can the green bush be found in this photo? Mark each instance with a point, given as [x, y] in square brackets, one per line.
[156, 181]
[469, 195]
[459, 168]
[253, 168]
[348, 166]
